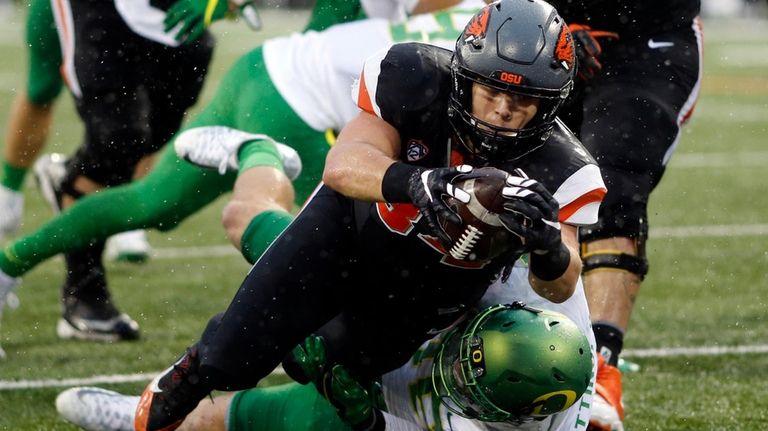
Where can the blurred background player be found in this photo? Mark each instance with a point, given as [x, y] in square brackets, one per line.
[639, 78]
[273, 91]
[379, 208]
[132, 83]
[31, 113]
[28, 127]
[186, 21]
[521, 349]
[133, 70]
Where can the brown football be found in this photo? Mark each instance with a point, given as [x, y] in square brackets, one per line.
[480, 236]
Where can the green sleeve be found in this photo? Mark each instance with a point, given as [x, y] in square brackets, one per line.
[44, 81]
[330, 12]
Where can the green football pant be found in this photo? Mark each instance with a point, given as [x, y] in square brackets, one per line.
[289, 407]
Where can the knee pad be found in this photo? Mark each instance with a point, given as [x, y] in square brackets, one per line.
[616, 260]
[623, 213]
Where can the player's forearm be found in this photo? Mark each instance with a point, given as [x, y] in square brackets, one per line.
[28, 127]
[364, 150]
[561, 288]
[554, 275]
[356, 171]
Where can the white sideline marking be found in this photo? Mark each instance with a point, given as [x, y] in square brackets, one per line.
[664, 352]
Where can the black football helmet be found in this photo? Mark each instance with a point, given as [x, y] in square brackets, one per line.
[516, 46]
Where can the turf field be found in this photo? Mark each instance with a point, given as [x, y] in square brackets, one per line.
[700, 326]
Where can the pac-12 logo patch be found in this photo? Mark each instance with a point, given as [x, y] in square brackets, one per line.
[416, 150]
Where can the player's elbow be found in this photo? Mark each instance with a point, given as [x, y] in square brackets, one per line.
[563, 293]
[556, 292]
[559, 289]
[335, 175]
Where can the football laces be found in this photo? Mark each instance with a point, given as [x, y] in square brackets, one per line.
[464, 245]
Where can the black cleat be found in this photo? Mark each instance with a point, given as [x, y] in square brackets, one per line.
[171, 396]
[95, 320]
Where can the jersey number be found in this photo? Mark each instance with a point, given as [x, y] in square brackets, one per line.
[401, 218]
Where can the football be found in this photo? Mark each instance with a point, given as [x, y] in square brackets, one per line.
[480, 236]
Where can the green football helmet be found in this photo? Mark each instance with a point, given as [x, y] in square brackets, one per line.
[512, 363]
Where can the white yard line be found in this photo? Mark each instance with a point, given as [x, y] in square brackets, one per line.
[658, 232]
[710, 231]
[719, 160]
[663, 352]
[191, 252]
[668, 352]
[11, 385]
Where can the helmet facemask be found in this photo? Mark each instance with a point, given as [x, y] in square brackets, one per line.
[454, 380]
[489, 142]
[458, 365]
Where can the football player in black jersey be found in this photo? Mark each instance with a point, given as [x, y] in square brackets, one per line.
[364, 263]
[639, 77]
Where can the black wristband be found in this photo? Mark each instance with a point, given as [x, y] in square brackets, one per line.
[394, 185]
[550, 266]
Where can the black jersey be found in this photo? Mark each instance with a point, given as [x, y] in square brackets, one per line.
[373, 268]
[409, 87]
[630, 18]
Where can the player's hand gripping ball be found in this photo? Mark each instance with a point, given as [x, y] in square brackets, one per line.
[480, 236]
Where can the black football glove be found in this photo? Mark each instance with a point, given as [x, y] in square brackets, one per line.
[588, 49]
[426, 190]
[531, 213]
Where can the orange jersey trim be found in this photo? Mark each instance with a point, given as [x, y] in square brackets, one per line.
[364, 98]
[595, 195]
